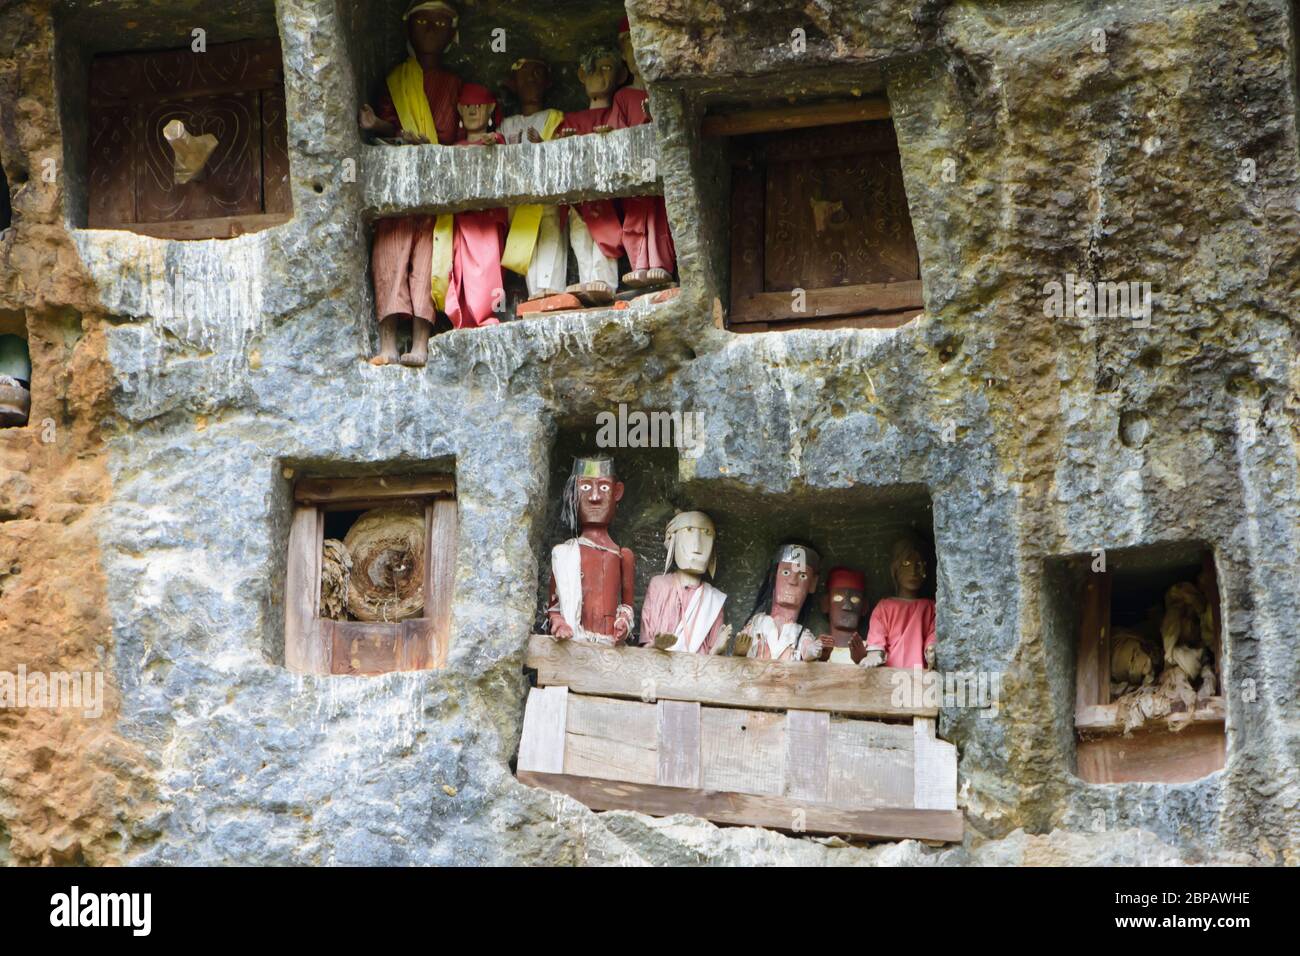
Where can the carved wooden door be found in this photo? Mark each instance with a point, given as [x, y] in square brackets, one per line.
[233, 92]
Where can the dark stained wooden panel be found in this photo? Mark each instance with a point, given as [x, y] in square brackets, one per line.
[246, 65]
[111, 167]
[234, 91]
[834, 221]
[377, 648]
[232, 180]
[1153, 756]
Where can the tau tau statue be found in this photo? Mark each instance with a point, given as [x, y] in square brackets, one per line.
[844, 603]
[592, 578]
[646, 236]
[595, 233]
[537, 247]
[901, 633]
[471, 280]
[775, 630]
[419, 107]
[682, 611]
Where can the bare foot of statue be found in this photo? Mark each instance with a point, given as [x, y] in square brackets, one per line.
[387, 354]
[419, 354]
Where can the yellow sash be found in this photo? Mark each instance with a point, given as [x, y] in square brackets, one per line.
[525, 221]
[406, 87]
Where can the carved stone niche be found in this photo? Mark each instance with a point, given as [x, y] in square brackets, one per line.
[186, 145]
[1169, 728]
[316, 644]
[821, 236]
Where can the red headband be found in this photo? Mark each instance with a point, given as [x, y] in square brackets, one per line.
[846, 578]
[475, 94]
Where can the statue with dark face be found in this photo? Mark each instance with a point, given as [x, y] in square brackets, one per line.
[844, 604]
[902, 632]
[592, 579]
[411, 258]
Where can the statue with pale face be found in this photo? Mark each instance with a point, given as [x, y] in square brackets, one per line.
[682, 611]
[775, 630]
[902, 632]
[592, 578]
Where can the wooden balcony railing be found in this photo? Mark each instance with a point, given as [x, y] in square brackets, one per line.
[784, 746]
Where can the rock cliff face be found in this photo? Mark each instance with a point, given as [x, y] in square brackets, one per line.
[1143, 140]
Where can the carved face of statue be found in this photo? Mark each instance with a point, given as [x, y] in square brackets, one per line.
[910, 571]
[605, 75]
[474, 116]
[430, 31]
[531, 80]
[794, 582]
[845, 608]
[692, 549]
[598, 500]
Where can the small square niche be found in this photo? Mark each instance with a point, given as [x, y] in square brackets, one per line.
[1148, 676]
[175, 123]
[821, 233]
[370, 572]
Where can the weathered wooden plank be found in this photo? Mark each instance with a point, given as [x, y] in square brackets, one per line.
[807, 757]
[835, 302]
[886, 320]
[361, 647]
[1105, 718]
[935, 770]
[321, 490]
[679, 743]
[871, 764]
[727, 681]
[442, 521]
[772, 812]
[541, 747]
[302, 652]
[742, 750]
[1153, 756]
[1092, 666]
[612, 739]
[795, 117]
[184, 74]
[746, 233]
[221, 227]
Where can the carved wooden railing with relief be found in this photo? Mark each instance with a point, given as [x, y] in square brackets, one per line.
[739, 741]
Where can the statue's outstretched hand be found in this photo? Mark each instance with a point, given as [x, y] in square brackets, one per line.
[930, 656]
[743, 641]
[857, 649]
[875, 657]
[602, 129]
[367, 119]
[534, 136]
[562, 632]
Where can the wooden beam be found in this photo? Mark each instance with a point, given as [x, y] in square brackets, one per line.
[1153, 756]
[727, 681]
[888, 320]
[1092, 664]
[323, 490]
[368, 648]
[807, 755]
[541, 748]
[848, 300]
[771, 812]
[795, 117]
[442, 535]
[303, 651]
[222, 227]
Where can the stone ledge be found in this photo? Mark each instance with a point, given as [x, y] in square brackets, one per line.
[430, 179]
